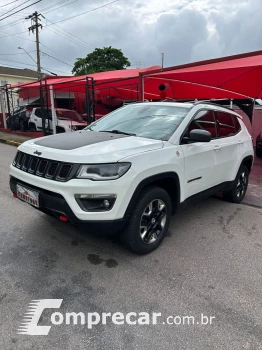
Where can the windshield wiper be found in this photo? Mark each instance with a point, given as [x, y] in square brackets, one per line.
[118, 132]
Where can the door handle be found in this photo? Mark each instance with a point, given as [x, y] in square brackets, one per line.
[217, 148]
[240, 142]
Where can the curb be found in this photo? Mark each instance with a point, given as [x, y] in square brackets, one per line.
[11, 142]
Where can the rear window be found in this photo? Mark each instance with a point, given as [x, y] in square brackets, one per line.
[236, 122]
[225, 124]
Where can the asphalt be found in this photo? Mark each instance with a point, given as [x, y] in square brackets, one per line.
[210, 263]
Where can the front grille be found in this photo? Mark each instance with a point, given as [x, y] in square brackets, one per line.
[64, 171]
[41, 167]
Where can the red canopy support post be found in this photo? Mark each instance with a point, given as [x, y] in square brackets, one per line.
[93, 102]
[53, 109]
[3, 108]
[141, 87]
[87, 102]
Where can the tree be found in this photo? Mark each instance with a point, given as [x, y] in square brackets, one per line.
[101, 60]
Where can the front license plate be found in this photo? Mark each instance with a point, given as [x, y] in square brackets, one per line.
[27, 195]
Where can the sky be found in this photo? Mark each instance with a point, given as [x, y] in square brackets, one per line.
[184, 30]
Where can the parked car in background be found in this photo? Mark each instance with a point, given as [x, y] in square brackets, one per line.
[18, 120]
[97, 116]
[259, 145]
[66, 120]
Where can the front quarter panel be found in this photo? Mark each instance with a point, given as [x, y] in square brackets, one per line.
[168, 159]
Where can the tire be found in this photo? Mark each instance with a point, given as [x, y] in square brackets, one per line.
[237, 193]
[258, 153]
[32, 127]
[151, 214]
[21, 125]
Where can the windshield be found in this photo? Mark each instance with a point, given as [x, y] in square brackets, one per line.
[145, 120]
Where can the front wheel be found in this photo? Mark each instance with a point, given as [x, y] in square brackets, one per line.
[149, 221]
[237, 193]
[32, 127]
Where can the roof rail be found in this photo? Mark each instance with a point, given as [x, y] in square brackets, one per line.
[212, 103]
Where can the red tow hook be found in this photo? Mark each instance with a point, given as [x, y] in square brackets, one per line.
[15, 195]
[63, 218]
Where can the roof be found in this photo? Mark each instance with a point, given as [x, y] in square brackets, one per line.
[238, 76]
[18, 72]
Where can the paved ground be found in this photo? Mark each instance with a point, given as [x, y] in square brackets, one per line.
[13, 137]
[211, 263]
[254, 193]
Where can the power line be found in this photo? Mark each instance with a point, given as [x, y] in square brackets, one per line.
[9, 3]
[68, 38]
[20, 10]
[1, 37]
[14, 54]
[51, 7]
[83, 13]
[48, 48]
[16, 37]
[27, 64]
[69, 35]
[60, 6]
[44, 53]
[14, 8]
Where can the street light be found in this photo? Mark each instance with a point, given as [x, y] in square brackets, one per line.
[21, 48]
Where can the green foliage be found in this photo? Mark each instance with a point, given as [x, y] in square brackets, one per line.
[101, 60]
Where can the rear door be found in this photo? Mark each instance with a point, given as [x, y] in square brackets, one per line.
[226, 147]
[200, 156]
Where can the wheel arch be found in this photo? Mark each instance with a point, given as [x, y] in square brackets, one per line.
[248, 162]
[169, 181]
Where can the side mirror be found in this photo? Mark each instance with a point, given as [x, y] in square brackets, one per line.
[198, 135]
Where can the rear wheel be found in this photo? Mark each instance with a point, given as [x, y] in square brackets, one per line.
[237, 193]
[149, 221]
[21, 125]
[32, 127]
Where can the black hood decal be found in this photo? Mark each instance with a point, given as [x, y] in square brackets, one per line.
[77, 139]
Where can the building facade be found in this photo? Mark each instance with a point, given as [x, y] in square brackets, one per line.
[12, 76]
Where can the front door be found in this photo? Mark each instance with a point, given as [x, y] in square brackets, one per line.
[199, 157]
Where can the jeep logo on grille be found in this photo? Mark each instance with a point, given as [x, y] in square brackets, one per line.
[38, 153]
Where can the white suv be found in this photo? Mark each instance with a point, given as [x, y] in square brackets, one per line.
[66, 120]
[131, 170]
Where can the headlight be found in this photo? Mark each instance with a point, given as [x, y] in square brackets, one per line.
[101, 172]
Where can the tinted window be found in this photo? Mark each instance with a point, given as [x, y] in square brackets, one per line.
[237, 124]
[225, 124]
[204, 120]
[38, 113]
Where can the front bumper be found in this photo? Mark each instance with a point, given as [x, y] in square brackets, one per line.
[54, 204]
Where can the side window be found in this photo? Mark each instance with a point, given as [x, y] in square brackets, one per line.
[237, 124]
[38, 113]
[204, 120]
[225, 124]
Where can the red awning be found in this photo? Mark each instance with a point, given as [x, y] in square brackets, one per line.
[237, 76]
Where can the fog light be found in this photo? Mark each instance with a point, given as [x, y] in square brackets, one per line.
[106, 203]
[95, 202]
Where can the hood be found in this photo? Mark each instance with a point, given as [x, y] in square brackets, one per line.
[89, 146]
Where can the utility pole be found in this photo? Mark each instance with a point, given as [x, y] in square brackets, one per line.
[163, 55]
[35, 25]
